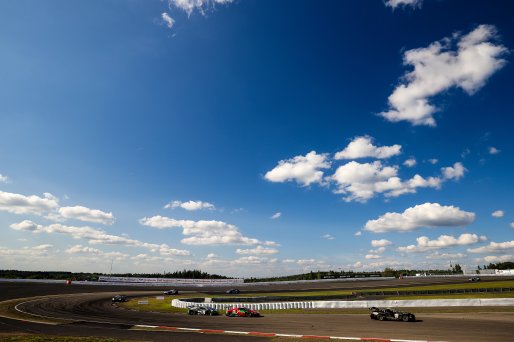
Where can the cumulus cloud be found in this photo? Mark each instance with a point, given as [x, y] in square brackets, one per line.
[167, 20]
[498, 213]
[254, 260]
[190, 205]
[86, 214]
[379, 250]
[362, 181]
[372, 256]
[189, 6]
[493, 150]
[512, 224]
[404, 3]
[443, 241]
[453, 172]
[257, 250]
[494, 247]
[21, 204]
[305, 170]
[3, 179]
[380, 243]
[445, 256]
[203, 232]
[358, 233]
[94, 252]
[433, 161]
[95, 236]
[362, 147]
[500, 258]
[423, 215]
[411, 162]
[27, 252]
[276, 215]
[462, 61]
[328, 237]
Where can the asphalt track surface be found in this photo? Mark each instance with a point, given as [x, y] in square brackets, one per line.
[89, 312]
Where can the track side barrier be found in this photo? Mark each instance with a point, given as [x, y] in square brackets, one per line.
[354, 304]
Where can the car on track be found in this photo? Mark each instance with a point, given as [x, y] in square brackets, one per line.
[119, 298]
[202, 310]
[474, 279]
[242, 311]
[233, 291]
[171, 292]
[386, 314]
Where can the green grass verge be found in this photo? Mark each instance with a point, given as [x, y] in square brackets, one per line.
[467, 285]
[154, 305]
[455, 296]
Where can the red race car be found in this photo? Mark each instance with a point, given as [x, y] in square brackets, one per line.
[242, 312]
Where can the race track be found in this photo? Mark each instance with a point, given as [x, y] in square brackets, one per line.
[89, 312]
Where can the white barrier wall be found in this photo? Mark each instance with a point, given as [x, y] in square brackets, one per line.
[170, 280]
[356, 304]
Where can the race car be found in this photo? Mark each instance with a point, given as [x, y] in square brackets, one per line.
[171, 292]
[242, 312]
[119, 298]
[202, 310]
[232, 291]
[386, 314]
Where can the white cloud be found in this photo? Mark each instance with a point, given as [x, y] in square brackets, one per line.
[362, 147]
[445, 256]
[358, 233]
[362, 181]
[27, 252]
[305, 170]
[372, 256]
[493, 150]
[276, 215]
[95, 236]
[512, 224]
[167, 19]
[433, 161]
[494, 247]
[411, 162]
[464, 62]
[499, 258]
[328, 237]
[498, 213]
[3, 179]
[203, 232]
[201, 6]
[403, 3]
[379, 250]
[257, 250]
[423, 215]
[85, 214]
[20, 204]
[380, 243]
[443, 241]
[358, 264]
[254, 260]
[190, 205]
[94, 252]
[456, 172]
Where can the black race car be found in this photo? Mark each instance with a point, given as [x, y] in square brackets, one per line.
[202, 310]
[386, 314]
[171, 292]
[119, 298]
[233, 291]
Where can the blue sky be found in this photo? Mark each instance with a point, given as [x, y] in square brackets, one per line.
[255, 138]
